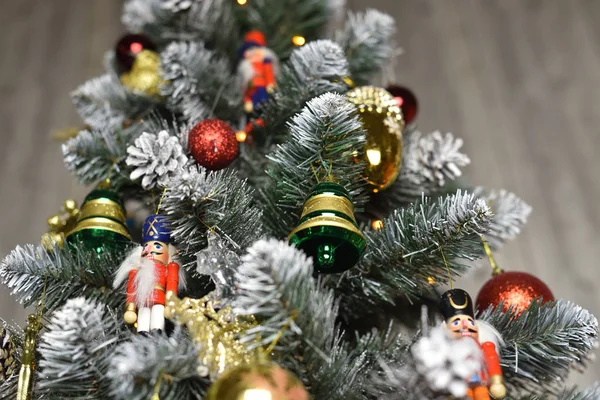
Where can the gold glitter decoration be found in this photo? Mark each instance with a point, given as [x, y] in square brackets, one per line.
[60, 224]
[144, 76]
[215, 332]
[383, 122]
[32, 330]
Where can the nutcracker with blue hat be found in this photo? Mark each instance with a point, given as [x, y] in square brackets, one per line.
[151, 271]
[456, 307]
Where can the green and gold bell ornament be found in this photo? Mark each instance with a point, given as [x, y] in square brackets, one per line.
[383, 123]
[101, 222]
[327, 230]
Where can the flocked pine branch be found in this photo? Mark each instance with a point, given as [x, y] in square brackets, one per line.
[407, 255]
[280, 21]
[66, 273]
[366, 40]
[510, 215]
[219, 262]
[75, 350]
[275, 284]
[209, 21]
[94, 155]
[135, 366]
[543, 342]
[197, 201]
[104, 104]
[591, 393]
[428, 163]
[200, 83]
[318, 67]
[324, 140]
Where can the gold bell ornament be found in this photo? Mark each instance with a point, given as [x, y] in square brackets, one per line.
[144, 76]
[327, 230]
[383, 122]
[60, 224]
[238, 369]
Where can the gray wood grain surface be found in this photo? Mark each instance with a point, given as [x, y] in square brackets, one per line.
[519, 80]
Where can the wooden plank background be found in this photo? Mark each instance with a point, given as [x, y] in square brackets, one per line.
[519, 80]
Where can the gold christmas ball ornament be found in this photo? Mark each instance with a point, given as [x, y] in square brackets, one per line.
[383, 122]
[257, 382]
[144, 76]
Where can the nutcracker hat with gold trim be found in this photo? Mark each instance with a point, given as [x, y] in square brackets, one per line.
[456, 302]
[157, 228]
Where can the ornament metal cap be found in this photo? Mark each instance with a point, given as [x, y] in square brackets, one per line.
[456, 302]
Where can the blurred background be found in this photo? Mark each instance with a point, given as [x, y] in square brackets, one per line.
[518, 80]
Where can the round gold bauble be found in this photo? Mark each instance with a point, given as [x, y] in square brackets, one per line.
[383, 122]
[257, 382]
[144, 76]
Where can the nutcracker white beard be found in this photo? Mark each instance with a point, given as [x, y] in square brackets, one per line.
[144, 282]
[145, 278]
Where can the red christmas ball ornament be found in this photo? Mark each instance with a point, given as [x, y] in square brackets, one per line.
[513, 289]
[406, 100]
[128, 47]
[213, 144]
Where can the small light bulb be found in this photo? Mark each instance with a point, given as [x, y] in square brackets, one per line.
[377, 224]
[241, 136]
[430, 280]
[299, 40]
[242, 2]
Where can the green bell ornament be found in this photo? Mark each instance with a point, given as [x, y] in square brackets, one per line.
[101, 222]
[327, 230]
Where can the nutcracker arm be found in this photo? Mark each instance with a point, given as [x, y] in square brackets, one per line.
[492, 363]
[269, 73]
[172, 277]
[492, 360]
[131, 286]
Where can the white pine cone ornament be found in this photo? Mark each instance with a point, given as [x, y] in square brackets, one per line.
[446, 363]
[176, 5]
[434, 157]
[157, 158]
[8, 361]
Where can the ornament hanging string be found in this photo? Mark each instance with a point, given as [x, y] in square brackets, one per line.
[280, 333]
[162, 196]
[155, 395]
[495, 269]
[447, 267]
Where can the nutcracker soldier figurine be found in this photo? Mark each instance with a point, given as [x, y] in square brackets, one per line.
[151, 272]
[457, 309]
[257, 70]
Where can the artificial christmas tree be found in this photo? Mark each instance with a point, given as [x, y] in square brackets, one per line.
[230, 215]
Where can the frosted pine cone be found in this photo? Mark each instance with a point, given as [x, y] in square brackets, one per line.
[447, 363]
[8, 362]
[157, 158]
[434, 157]
[176, 5]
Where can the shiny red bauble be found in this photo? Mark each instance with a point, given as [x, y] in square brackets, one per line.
[512, 289]
[128, 47]
[213, 144]
[406, 100]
